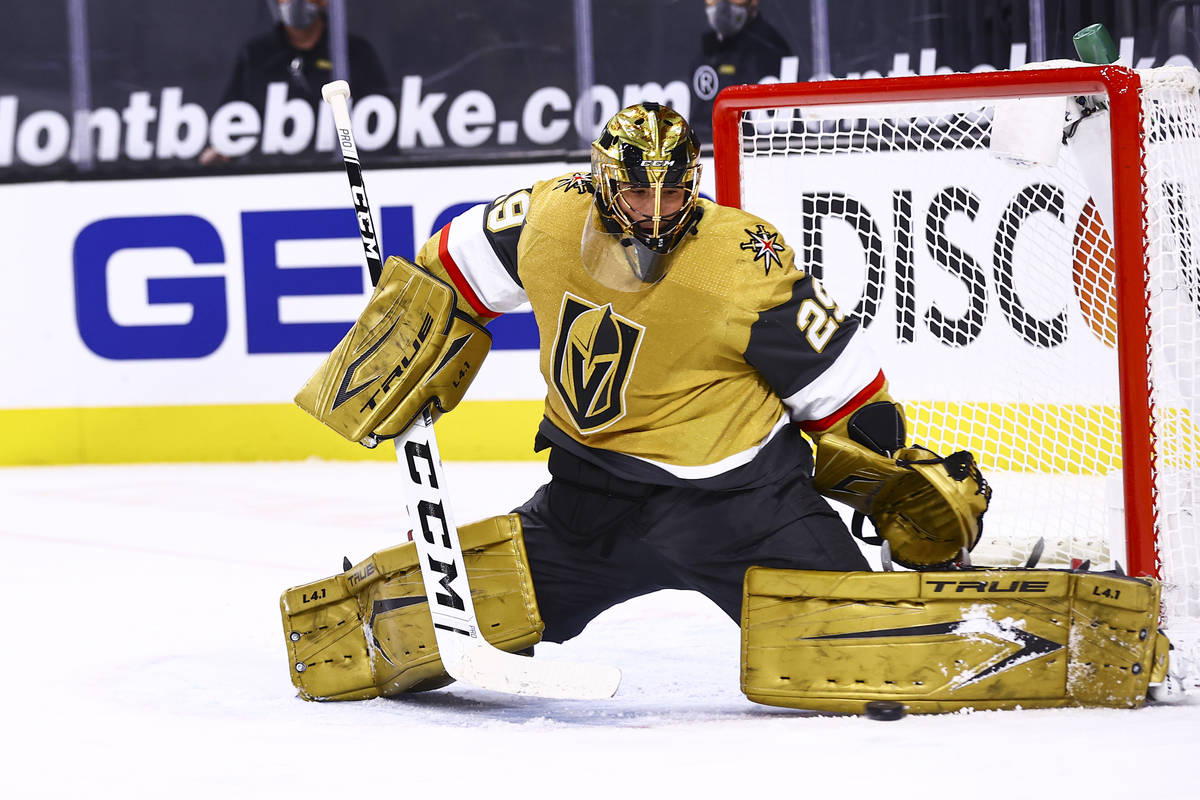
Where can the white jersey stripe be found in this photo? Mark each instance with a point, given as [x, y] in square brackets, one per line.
[719, 467]
[479, 265]
[854, 369]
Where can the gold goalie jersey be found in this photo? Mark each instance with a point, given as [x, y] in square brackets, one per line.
[696, 379]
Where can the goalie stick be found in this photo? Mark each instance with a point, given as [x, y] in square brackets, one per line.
[465, 654]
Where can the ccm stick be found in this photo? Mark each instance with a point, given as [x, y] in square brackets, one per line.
[465, 654]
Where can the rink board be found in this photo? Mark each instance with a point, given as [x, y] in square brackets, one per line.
[174, 320]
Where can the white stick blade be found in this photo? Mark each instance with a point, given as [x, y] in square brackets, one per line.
[489, 668]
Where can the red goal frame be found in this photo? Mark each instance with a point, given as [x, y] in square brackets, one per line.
[1122, 87]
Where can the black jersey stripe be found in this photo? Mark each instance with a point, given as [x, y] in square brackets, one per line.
[785, 452]
[504, 242]
[784, 353]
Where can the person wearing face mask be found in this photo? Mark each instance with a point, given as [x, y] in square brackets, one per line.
[296, 52]
[739, 47]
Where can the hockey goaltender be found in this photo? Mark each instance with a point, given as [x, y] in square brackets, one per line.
[684, 353]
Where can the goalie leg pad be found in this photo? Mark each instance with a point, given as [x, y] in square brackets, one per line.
[367, 632]
[944, 641]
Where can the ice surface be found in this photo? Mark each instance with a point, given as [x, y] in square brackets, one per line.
[144, 658]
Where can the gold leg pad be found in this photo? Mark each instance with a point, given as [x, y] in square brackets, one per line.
[367, 632]
[943, 641]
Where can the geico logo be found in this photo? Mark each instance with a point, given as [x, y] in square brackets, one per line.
[987, 587]
[970, 264]
[207, 295]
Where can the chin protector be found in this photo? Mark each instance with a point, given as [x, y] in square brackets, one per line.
[408, 349]
[367, 632]
[945, 641]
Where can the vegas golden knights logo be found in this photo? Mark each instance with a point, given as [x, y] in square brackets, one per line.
[594, 351]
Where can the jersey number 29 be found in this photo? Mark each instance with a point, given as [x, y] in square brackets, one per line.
[818, 317]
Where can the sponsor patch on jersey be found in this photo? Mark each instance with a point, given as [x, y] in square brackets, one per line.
[766, 247]
[594, 353]
[579, 182]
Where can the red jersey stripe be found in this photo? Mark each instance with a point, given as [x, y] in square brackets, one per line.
[853, 405]
[459, 280]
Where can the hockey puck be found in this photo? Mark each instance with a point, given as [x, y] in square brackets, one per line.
[884, 710]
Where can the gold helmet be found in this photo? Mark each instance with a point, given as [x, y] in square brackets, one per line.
[649, 151]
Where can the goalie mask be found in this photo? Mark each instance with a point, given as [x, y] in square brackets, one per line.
[646, 172]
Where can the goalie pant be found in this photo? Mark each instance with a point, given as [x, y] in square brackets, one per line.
[595, 540]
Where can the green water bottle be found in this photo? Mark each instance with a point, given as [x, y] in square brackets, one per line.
[1095, 46]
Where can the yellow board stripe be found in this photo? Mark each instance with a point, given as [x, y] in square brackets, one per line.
[476, 431]
[1003, 436]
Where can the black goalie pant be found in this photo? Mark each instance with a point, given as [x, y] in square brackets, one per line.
[595, 541]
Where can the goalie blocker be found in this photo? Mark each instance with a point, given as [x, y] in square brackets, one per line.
[944, 641]
[409, 348]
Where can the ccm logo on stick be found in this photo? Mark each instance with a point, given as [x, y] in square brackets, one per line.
[442, 560]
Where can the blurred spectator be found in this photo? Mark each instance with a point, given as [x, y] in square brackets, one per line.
[296, 52]
[740, 47]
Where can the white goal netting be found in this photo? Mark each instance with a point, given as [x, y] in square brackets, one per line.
[975, 238]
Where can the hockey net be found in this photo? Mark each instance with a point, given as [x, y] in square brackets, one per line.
[1022, 248]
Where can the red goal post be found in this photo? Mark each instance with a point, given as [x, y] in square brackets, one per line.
[1087, 349]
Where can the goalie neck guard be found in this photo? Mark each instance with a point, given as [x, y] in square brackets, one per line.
[646, 171]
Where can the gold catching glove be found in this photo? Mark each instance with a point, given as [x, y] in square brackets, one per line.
[926, 507]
